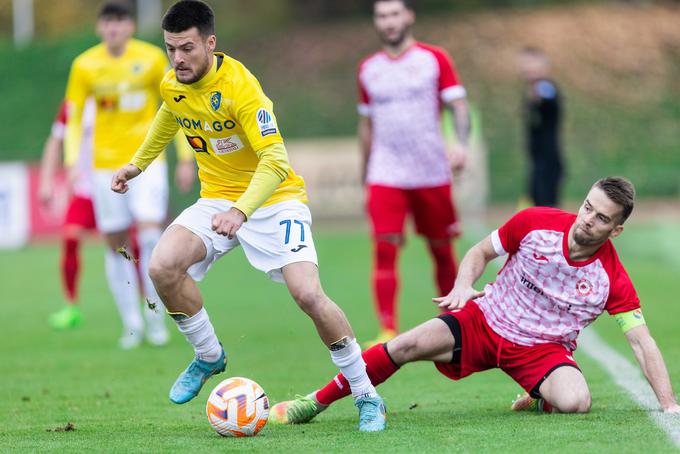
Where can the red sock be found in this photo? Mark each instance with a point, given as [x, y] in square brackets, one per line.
[385, 283]
[445, 266]
[379, 367]
[70, 265]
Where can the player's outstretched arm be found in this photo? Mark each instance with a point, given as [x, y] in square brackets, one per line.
[461, 114]
[471, 268]
[653, 366]
[271, 171]
[162, 131]
[122, 176]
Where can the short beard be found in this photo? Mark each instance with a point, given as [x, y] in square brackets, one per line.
[198, 75]
[582, 240]
[398, 40]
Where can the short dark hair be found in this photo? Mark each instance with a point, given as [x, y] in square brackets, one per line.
[408, 4]
[186, 14]
[620, 191]
[116, 10]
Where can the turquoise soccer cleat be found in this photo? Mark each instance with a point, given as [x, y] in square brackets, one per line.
[190, 382]
[371, 414]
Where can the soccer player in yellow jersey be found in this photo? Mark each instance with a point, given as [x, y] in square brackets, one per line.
[122, 75]
[249, 196]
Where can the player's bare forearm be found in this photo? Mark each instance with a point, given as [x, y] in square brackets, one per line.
[474, 263]
[653, 366]
[364, 131]
[461, 117]
[470, 270]
[48, 167]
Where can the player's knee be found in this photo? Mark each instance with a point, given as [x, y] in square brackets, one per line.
[162, 272]
[310, 300]
[578, 401]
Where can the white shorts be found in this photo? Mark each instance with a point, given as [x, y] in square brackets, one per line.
[274, 236]
[145, 201]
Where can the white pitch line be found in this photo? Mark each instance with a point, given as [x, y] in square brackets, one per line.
[629, 377]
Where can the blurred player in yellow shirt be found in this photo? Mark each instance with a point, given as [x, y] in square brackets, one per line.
[250, 196]
[122, 75]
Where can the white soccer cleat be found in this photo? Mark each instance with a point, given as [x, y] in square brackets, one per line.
[130, 340]
[158, 338]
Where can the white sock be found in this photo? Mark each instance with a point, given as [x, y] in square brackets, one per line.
[123, 284]
[147, 239]
[348, 359]
[200, 333]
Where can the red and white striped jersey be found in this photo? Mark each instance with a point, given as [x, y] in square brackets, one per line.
[541, 295]
[403, 97]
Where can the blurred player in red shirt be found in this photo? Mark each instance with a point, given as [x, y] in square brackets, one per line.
[79, 213]
[406, 164]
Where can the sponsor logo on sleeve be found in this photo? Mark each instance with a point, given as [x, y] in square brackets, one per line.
[215, 100]
[265, 121]
[226, 145]
[198, 144]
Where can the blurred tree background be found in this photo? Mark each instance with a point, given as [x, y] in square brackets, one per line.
[618, 64]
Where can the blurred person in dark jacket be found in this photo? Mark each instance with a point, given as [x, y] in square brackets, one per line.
[542, 119]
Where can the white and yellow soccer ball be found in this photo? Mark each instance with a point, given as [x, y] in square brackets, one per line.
[237, 407]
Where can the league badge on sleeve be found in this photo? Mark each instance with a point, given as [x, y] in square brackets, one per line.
[215, 100]
[265, 121]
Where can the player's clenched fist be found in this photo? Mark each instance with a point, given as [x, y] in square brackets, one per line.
[457, 298]
[228, 222]
[122, 176]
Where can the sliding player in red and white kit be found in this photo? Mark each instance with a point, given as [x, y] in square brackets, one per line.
[406, 165]
[562, 272]
[79, 212]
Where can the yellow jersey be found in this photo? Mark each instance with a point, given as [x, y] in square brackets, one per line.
[230, 124]
[126, 92]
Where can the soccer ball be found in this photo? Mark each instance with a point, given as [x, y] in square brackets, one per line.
[237, 407]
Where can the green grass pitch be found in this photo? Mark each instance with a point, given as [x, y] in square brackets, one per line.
[118, 400]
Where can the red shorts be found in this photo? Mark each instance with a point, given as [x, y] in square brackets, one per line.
[478, 347]
[432, 208]
[80, 211]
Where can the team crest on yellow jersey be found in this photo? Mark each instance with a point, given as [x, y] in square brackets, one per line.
[215, 100]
